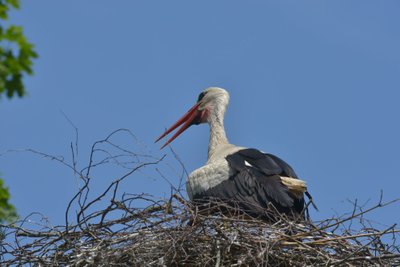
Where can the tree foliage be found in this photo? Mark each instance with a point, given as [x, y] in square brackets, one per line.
[16, 54]
[7, 211]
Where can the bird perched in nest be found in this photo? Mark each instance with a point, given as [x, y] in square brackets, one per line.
[258, 183]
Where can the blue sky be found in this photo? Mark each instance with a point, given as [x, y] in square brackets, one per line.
[314, 82]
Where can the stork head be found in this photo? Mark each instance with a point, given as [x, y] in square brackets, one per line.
[211, 102]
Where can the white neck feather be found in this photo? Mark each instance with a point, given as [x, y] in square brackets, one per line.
[217, 131]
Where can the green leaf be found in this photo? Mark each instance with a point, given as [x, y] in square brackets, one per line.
[7, 211]
[16, 59]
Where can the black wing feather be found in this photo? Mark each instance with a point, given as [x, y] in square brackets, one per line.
[255, 186]
[286, 169]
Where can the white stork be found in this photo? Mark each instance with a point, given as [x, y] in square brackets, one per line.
[248, 177]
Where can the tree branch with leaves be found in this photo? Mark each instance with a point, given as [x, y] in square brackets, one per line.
[16, 60]
[16, 54]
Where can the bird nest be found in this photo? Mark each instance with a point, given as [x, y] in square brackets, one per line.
[174, 233]
[112, 229]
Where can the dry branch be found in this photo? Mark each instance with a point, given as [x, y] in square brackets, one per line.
[172, 232]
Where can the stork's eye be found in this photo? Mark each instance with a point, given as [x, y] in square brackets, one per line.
[201, 96]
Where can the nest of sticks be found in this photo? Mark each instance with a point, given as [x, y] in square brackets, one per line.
[112, 229]
[173, 233]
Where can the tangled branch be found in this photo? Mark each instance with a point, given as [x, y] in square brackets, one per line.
[141, 230]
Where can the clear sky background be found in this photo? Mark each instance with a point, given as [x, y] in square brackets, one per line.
[314, 82]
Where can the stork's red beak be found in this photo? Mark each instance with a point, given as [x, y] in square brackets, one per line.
[188, 119]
